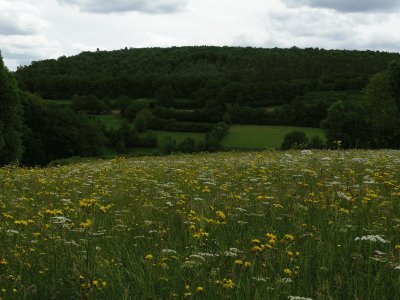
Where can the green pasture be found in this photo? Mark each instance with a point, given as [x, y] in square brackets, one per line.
[262, 137]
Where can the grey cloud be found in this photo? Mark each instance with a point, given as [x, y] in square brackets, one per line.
[7, 28]
[20, 50]
[17, 18]
[349, 5]
[146, 6]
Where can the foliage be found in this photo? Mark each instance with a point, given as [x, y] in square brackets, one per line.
[51, 132]
[168, 145]
[10, 118]
[140, 122]
[188, 145]
[294, 139]
[89, 104]
[346, 124]
[165, 95]
[215, 136]
[248, 76]
[382, 111]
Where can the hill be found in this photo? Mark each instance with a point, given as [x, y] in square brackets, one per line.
[255, 77]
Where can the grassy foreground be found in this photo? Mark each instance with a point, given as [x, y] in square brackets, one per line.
[271, 225]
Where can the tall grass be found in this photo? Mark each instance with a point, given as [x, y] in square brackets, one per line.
[271, 225]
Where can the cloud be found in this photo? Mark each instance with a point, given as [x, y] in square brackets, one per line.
[146, 6]
[18, 18]
[21, 50]
[348, 5]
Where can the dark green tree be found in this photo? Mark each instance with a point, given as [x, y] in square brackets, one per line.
[168, 145]
[10, 118]
[166, 95]
[188, 145]
[51, 132]
[382, 110]
[346, 124]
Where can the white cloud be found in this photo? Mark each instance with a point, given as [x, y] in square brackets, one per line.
[20, 50]
[107, 6]
[349, 5]
[19, 18]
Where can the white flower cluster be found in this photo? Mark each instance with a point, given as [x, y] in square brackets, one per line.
[298, 298]
[372, 238]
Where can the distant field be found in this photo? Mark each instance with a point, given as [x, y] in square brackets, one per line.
[59, 102]
[262, 137]
[178, 136]
[110, 120]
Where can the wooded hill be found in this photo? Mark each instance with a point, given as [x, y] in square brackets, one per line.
[252, 77]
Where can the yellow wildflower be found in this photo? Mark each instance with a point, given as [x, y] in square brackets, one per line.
[21, 222]
[220, 214]
[87, 203]
[287, 271]
[247, 264]
[227, 283]
[105, 208]
[86, 224]
[148, 257]
[289, 237]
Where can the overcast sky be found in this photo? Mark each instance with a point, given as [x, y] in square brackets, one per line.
[41, 29]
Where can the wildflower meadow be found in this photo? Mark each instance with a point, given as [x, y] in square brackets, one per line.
[266, 225]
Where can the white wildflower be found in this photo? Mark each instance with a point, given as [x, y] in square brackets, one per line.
[168, 251]
[298, 298]
[372, 238]
[343, 196]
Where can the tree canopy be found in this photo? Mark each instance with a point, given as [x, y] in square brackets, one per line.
[10, 118]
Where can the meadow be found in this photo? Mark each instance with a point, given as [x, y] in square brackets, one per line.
[265, 225]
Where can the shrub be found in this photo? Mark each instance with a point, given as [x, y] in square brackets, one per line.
[294, 139]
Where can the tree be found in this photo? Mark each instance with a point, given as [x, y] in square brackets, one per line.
[346, 123]
[168, 145]
[10, 118]
[51, 132]
[165, 95]
[188, 145]
[140, 122]
[382, 110]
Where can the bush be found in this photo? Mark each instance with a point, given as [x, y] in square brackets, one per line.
[89, 104]
[140, 122]
[188, 145]
[294, 139]
[214, 137]
[168, 145]
[51, 133]
[316, 143]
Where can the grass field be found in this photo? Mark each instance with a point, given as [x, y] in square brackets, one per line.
[262, 137]
[267, 225]
[111, 120]
[178, 136]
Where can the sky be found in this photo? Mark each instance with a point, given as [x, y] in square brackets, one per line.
[32, 30]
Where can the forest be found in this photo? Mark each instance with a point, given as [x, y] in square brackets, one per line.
[354, 96]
